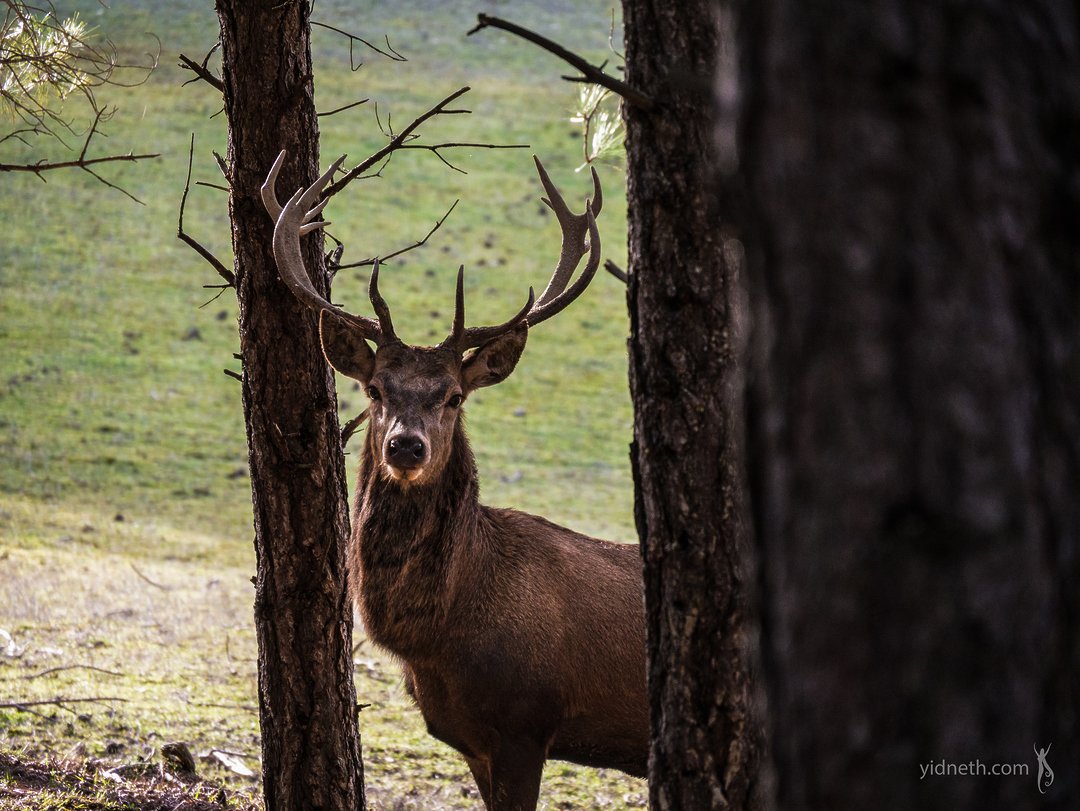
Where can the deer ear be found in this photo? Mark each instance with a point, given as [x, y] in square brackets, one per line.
[343, 347]
[494, 361]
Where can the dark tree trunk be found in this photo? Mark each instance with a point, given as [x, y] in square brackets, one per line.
[303, 616]
[913, 172]
[685, 386]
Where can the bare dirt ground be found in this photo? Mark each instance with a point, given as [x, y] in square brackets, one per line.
[106, 660]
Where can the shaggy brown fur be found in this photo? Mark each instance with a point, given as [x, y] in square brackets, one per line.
[520, 640]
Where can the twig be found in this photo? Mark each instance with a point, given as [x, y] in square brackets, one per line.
[335, 267]
[434, 148]
[71, 667]
[59, 701]
[611, 38]
[617, 272]
[233, 375]
[390, 53]
[221, 288]
[148, 580]
[351, 428]
[82, 162]
[591, 72]
[230, 657]
[396, 142]
[201, 72]
[222, 165]
[388, 130]
[215, 263]
[343, 108]
[244, 707]
[334, 257]
[19, 135]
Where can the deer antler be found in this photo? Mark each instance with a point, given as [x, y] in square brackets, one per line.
[295, 219]
[575, 228]
[298, 217]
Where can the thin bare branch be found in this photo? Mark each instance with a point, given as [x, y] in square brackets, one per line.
[396, 142]
[221, 288]
[222, 164]
[59, 701]
[244, 707]
[617, 272]
[83, 162]
[390, 53]
[146, 579]
[21, 135]
[434, 149]
[80, 163]
[52, 670]
[611, 38]
[388, 130]
[335, 267]
[215, 263]
[352, 426]
[201, 72]
[591, 73]
[105, 182]
[343, 108]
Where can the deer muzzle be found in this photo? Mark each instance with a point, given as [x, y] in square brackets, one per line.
[406, 455]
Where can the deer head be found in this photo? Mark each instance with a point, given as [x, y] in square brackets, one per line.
[416, 392]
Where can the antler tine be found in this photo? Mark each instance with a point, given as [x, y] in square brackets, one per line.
[556, 202]
[269, 197]
[559, 302]
[477, 336]
[382, 309]
[574, 228]
[459, 307]
[462, 339]
[293, 220]
[598, 193]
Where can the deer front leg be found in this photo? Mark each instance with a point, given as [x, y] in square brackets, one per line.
[481, 772]
[515, 776]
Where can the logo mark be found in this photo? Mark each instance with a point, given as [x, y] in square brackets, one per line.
[1046, 774]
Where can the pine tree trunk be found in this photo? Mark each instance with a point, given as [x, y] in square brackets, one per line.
[303, 616]
[685, 386]
[914, 185]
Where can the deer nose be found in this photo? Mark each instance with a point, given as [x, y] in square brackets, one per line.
[406, 451]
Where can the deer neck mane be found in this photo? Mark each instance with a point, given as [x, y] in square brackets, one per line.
[404, 544]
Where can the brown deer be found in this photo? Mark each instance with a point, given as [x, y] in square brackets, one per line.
[520, 640]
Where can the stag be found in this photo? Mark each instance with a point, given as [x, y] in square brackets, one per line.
[519, 640]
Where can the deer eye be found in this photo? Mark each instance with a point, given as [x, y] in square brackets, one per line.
[454, 401]
[374, 393]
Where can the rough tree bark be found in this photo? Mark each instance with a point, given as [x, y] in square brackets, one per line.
[913, 172]
[303, 616]
[685, 386]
